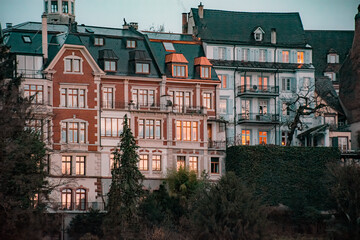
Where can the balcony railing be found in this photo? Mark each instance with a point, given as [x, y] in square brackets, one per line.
[217, 145]
[28, 73]
[255, 89]
[258, 117]
[72, 206]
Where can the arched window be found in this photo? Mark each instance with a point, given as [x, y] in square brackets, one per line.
[66, 199]
[80, 199]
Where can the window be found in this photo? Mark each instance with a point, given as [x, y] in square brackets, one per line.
[330, 75]
[306, 83]
[169, 47]
[193, 164]
[333, 58]
[54, 6]
[215, 167]
[285, 56]
[205, 72]
[179, 71]
[80, 165]
[180, 162]
[99, 41]
[245, 83]
[300, 57]
[35, 93]
[262, 137]
[72, 8]
[111, 127]
[343, 143]
[284, 138]
[180, 99]
[258, 36]
[142, 68]
[46, 7]
[207, 100]
[130, 44]
[35, 125]
[262, 55]
[26, 39]
[73, 132]
[80, 199]
[29, 66]
[186, 131]
[222, 53]
[223, 79]
[66, 165]
[144, 162]
[143, 97]
[72, 98]
[223, 106]
[245, 54]
[285, 109]
[263, 104]
[245, 137]
[245, 109]
[156, 163]
[263, 83]
[66, 199]
[286, 84]
[110, 65]
[149, 129]
[65, 7]
[72, 65]
[108, 97]
[330, 120]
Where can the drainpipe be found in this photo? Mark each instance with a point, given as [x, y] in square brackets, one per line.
[44, 34]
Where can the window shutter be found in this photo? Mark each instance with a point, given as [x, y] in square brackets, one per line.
[230, 81]
[228, 54]
[215, 53]
[257, 52]
[230, 106]
[335, 142]
[293, 85]
[307, 57]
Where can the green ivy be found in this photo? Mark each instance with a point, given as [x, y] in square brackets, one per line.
[293, 176]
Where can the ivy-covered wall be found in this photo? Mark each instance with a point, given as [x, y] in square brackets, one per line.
[293, 176]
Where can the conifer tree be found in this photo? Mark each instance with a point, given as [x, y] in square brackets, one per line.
[126, 189]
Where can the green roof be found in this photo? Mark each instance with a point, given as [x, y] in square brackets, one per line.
[238, 27]
[324, 41]
[169, 36]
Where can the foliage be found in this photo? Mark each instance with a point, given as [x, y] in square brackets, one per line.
[85, 223]
[345, 188]
[228, 210]
[126, 188]
[22, 163]
[293, 176]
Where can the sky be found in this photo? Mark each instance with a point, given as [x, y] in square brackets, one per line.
[315, 14]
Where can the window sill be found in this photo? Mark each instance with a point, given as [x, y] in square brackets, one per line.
[75, 73]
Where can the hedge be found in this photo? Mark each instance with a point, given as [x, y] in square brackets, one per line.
[293, 176]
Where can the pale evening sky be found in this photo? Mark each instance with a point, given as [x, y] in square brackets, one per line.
[315, 14]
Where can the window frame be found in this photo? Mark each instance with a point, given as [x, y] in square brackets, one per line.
[142, 161]
[300, 57]
[207, 100]
[79, 133]
[263, 137]
[180, 162]
[214, 163]
[81, 203]
[66, 165]
[156, 163]
[285, 58]
[189, 133]
[131, 43]
[67, 93]
[104, 124]
[167, 49]
[142, 68]
[72, 59]
[65, 7]
[54, 7]
[205, 74]
[194, 163]
[80, 165]
[108, 100]
[67, 195]
[246, 137]
[34, 93]
[223, 79]
[99, 41]
[110, 65]
[177, 72]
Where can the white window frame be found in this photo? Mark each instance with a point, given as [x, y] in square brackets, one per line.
[79, 122]
[67, 87]
[72, 58]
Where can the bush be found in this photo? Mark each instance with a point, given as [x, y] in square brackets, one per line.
[86, 223]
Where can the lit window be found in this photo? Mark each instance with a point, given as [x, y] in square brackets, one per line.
[262, 55]
[54, 6]
[142, 68]
[245, 83]
[169, 47]
[108, 97]
[130, 44]
[26, 39]
[81, 199]
[72, 98]
[73, 132]
[179, 71]
[66, 165]
[186, 131]
[223, 106]
[110, 65]
[72, 65]
[245, 137]
[193, 164]
[285, 56]
[180, 162]
[29, 66]
[263, 83]
[207, 100]
[156, 163]
[186, 127]
[99, 41]
[35, 93]
[262, 137]
[80, 165]
[143, 97]
[215, 168]
[144, 162]
[223, 79]
[66, 199]
[284, 138]
[300, 57]
[205, 72]
[65, 7]
[111, 127]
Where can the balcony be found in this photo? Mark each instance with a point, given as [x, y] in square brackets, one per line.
[217, 145]
[258, 118]
[71, 206]
[30, 73]
[256, 90]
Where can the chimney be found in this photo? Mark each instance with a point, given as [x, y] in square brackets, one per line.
[125, 25]
[44, 33]
[201, 11]
[184, 22]
[273, 36]
[134, 25]
[8, 25]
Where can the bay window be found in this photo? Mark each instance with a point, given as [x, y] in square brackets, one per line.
[29, 66]
[35, 93]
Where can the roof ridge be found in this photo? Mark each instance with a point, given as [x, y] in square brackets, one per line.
[218, 10]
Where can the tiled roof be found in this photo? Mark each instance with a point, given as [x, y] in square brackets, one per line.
[325, 89]
[228, 26]
[323, 41]
[175, 58]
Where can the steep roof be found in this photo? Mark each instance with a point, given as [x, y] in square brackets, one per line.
[228, 26]
[325, 89]
[324, 41]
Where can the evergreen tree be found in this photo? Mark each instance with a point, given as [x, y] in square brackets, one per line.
[22, 168]
[126, 190]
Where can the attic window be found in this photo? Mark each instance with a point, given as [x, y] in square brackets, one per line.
[169, 47]
[26, 39]
[130, 44]
[99, 41]
[258, 34]
[333, 58]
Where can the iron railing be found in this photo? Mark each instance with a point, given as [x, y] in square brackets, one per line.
[259, 117]
[73, 206]
[258, 89]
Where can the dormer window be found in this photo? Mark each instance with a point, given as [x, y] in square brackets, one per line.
[258, 34]
[203, 66]
[205, 72]
[110, 65]
[139, 61]
[333, 58]
[169, 47]
[26, 39]
[179, 70]
[142, 68]
[98, 41]
[177, 64]
[108, 60]
[130, 44]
